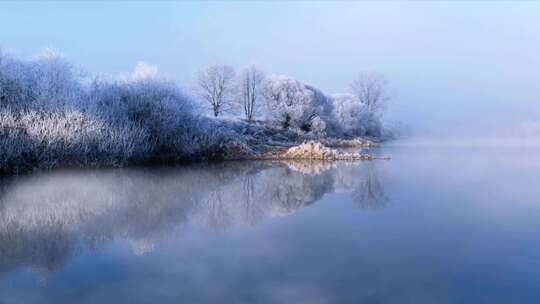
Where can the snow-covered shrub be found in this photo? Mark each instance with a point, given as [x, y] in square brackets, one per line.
[57, 83]
[292, 104]
[353, 117]
[373, 125]
[50, 116]
[153, 107]
[348, 112]
[318, 126]
[45, 83]
[48, 139]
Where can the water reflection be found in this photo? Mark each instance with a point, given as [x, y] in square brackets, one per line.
[47, 218]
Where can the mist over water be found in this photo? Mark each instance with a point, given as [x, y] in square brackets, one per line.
[434, 224]
[46, 217]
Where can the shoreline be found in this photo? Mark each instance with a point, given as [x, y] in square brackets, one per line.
[324, 149]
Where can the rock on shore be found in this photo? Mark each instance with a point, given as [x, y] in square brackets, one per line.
[317, 151]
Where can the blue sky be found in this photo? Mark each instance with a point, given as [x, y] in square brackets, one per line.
[459, 64]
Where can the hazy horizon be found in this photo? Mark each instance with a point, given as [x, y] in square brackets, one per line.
[460, 69]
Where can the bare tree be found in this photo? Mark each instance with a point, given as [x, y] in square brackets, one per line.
[215, 85]
[250, 84]
[370, 88]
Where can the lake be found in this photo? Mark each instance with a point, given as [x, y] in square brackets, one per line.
[435, 224]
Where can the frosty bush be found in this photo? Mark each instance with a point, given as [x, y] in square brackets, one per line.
[48, 139]
[353, 116]
[45, 83]
[292, 104]
[154, 109]
[318, 126]
[349, 114]
[50, 116]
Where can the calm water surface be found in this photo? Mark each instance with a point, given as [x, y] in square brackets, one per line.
[435, 224]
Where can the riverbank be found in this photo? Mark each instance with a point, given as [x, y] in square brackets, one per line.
[41, 141]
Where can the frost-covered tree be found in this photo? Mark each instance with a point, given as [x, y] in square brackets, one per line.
[348, 112]
[215, 85]
[249, 87]
[370, 89]
[292, 104]
[49, 81]
[353, 116]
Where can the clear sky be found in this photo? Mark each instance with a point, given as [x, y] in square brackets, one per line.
[451, 65]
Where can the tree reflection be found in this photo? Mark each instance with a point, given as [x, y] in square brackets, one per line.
[214, 211]
[45, 217]
[252, 209]
[369, 194]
